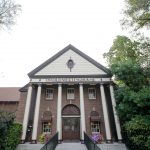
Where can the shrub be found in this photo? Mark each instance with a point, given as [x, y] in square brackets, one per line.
[148, 143]
[42, 138]
[13, 136]
[138, 131]
[6, 120]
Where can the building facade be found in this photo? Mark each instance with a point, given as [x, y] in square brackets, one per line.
[70, 93]
[9, 99]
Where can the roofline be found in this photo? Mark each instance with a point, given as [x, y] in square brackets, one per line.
[72, 76]
[33, 72]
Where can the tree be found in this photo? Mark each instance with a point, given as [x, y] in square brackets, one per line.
[122, 49]
[8, 12]
[125, 59]
[137, 13]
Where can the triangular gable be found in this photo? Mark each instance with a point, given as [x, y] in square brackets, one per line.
[57, 65]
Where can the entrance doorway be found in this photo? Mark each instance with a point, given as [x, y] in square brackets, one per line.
[71, 122]
[71, 128]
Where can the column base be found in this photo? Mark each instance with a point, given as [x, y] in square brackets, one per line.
[108, 141]
[34, 142]
[119, 140]
[59, 141]
[82, 141]
[22, 141]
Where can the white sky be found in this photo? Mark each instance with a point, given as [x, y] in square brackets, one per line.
[45, 27]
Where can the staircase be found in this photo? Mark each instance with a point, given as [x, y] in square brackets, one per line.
[28, 146]
[114, 146]
[71, 146]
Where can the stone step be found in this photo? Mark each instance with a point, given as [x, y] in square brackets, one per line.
[71, 146]
[28, 146]
[114, 146]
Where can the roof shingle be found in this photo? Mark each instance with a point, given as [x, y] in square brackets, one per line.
[9, 94]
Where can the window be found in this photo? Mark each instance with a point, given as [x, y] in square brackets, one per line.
[46, 126]
[70, 93]
[95, 127]
[92, 93]
[49, 93]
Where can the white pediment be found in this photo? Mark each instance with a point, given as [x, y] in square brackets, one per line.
[59, 66]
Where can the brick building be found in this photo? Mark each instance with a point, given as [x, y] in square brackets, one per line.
[9, 98]
[70, 93]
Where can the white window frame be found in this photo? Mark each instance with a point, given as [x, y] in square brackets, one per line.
[50, 95]
[69, 94]
[46, 128]
[90, 94]
[95, 127]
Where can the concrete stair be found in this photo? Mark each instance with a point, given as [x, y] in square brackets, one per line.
[73, 146]
[114, 146]
[28, 146]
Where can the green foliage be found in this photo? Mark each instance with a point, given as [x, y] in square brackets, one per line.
[137, 14]
[13, 136]
[148, 143]
[130, 67]
[6, 120]
[130, 73]
[122, 49]
[42, 138]
[138, 131]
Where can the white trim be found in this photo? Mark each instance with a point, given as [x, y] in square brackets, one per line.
[70, 80]
[71, 116]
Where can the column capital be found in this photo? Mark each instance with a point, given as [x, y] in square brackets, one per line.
[39, 84]
[30, 84]
[80, 83]
[101, 83]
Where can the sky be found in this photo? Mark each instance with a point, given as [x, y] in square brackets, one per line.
[45, 27]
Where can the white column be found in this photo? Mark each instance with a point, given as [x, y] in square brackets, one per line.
[36, 114]
[26, 113]
[115, 114]
[59, 119]
[105, 112]
[82, 119]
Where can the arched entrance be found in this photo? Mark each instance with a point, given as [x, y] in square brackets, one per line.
[71, 122]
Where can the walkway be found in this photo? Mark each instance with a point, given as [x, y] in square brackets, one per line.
[71, 146]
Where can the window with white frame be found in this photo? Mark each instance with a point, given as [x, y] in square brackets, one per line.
[95, 127]
[70, 93]
[49, 93]
[46, 127]
[92, 93]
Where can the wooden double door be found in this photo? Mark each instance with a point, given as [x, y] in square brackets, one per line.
[71, 128]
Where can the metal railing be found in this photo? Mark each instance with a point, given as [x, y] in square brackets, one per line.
[51, 144]
[90, 145]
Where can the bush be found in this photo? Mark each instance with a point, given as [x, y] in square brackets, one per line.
[42, 138]
[148, 143]
[13, 136]
[6, 120]
[138, 131]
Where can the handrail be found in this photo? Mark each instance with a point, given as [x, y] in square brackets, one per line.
[90, 145]
[51, 144]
